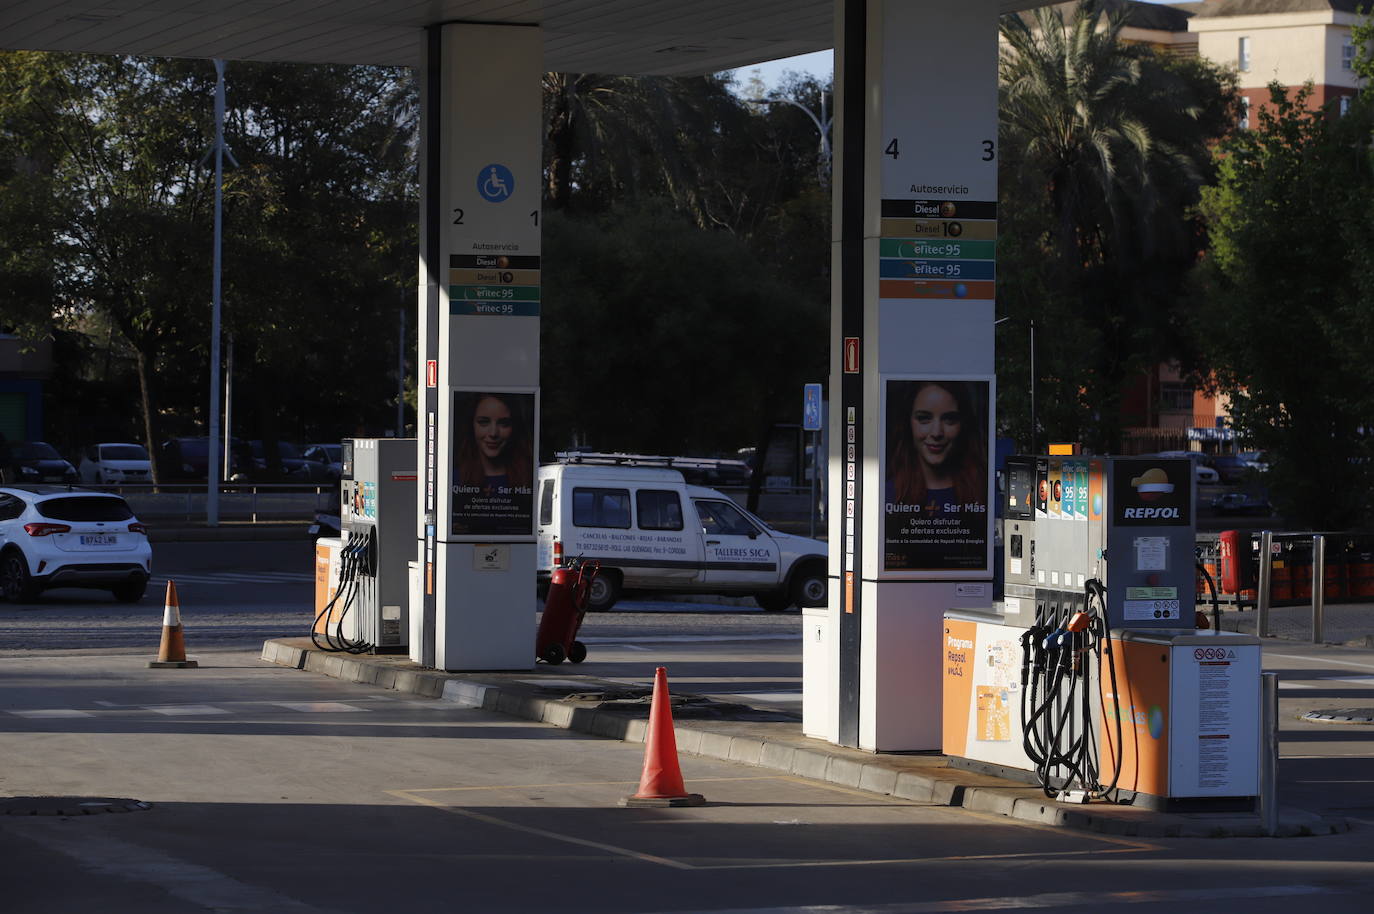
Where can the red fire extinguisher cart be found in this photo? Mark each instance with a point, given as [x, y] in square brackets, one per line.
[564, 609]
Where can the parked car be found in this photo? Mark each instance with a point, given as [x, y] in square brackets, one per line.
[55, 536]
[651, 530]
[1242, 503]
[189, 458]
[103, 464]
[1257, 460]
[294, 468]
[1231, 468]
[34, 462]
[330, 455]
[1203, 473]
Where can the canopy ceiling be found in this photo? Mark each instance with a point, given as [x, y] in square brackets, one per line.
[669, 37]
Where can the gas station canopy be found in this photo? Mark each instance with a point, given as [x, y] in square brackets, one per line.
[664, 37]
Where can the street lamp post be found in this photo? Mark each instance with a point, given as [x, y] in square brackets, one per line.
[821, 122]
[211, 464]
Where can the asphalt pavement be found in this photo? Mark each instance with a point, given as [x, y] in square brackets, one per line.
[209, 750]
[243, 786]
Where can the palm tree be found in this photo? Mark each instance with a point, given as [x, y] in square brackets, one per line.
[615, 138]
[1112, 144]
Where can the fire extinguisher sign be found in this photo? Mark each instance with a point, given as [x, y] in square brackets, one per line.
[851, 355]
[431, 373]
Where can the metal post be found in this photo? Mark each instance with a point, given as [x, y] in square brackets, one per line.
[212, 465]
[1266, 568]
[401, 376]
[1032, 387]
[1318, 587]
[228, 410]
[1269, 753]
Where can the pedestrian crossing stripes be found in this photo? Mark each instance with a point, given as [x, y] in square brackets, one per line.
[220, 578]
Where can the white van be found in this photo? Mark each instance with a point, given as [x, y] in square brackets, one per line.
[650, 530]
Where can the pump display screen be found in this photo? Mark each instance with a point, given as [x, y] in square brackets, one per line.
[1020, 489]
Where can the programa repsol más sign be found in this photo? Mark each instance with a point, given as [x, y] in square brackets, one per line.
[1152, 492]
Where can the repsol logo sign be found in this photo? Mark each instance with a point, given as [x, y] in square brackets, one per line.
[1151, 513]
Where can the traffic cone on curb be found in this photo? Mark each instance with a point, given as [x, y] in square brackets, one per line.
[172, 651]
[661, 783]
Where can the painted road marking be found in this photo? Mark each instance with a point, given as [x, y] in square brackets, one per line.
[538, 832]
[239, 707]
[1344, 663]
[184, 710]
[319, 707]
[1207, 897]
[198, 885]
[415, 795]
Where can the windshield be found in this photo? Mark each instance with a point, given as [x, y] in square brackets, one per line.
[85, 508]
[123, 452]
[194, 447]
[35, 450]
[284, 449]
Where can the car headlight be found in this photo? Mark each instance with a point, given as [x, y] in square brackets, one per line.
[28, 471]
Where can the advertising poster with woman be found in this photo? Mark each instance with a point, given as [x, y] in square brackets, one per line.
[493, 463]
[936, 479]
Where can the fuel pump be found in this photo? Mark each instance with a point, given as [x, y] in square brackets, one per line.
[1090, 678]
[369, 608]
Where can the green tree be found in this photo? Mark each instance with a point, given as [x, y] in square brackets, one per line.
[127, 198]
[30, 239]
[613, 139]
[320, 245]
[1105, 147]
[319, 240]
[1288, 290]
[660, 337]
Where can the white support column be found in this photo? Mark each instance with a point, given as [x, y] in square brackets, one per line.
[479, 340]
[912, 345]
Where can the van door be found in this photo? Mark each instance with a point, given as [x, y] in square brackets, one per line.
[739, 554]
[670, 553]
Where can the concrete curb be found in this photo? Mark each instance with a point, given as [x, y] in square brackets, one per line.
[778, 745]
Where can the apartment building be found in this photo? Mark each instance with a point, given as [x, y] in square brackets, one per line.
[1293, 42]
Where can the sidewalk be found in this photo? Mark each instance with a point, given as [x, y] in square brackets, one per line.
[1342, 623]
[770, 739]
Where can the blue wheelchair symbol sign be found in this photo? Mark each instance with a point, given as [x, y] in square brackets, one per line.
[811, 407]
[495, 183]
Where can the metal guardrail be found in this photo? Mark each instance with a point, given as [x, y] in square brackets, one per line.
[243, 501]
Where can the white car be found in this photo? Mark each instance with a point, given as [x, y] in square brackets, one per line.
[110, 464]
[55, 536]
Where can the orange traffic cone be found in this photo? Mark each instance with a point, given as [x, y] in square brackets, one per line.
[661, 783]
[172, 651]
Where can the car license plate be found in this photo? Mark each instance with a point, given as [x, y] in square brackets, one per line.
[99, 539]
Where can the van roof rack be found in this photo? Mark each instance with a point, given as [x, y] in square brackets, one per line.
[638, 460]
